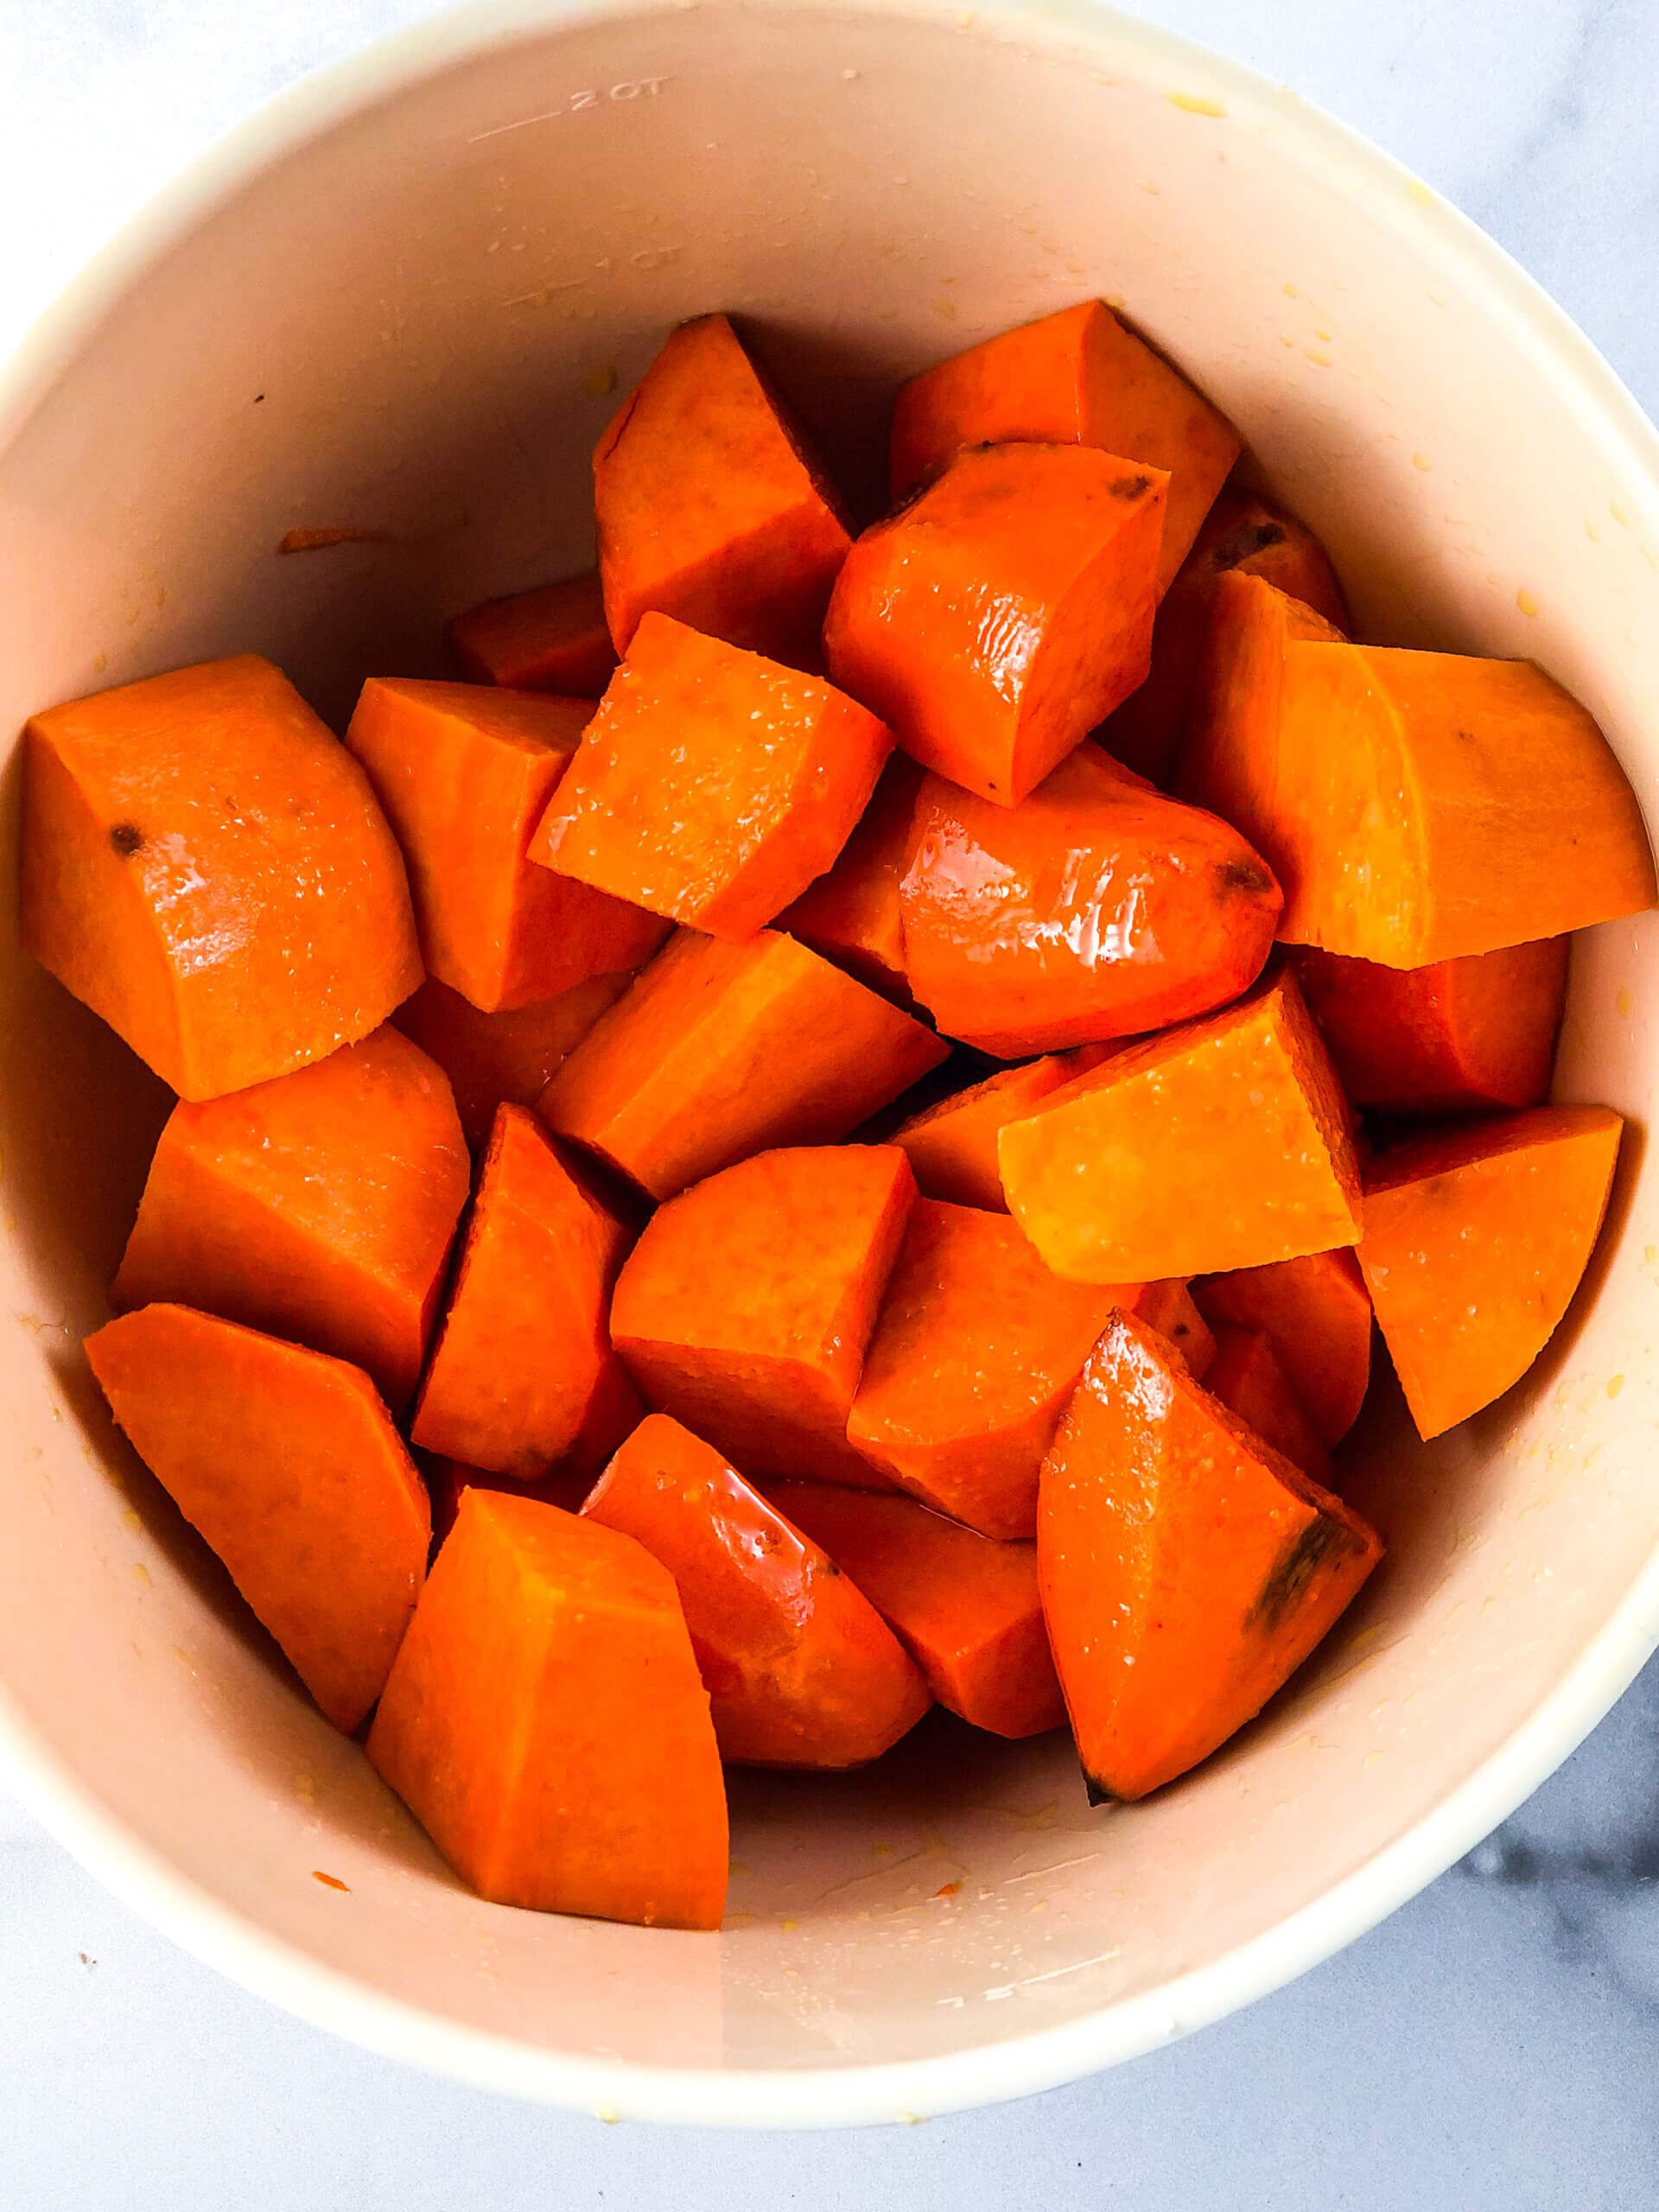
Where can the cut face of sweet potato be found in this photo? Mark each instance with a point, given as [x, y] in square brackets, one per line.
[1316, 1314]
[800, 1668]
[319, 1206]
[496, 1060]
[1476, 1239]
[206, 869]
[552, 639]
[287, 1463]
[966, 1608]
[993, 621]
[720, 1050]
[951, 1146]
[1186, 1568]
[1222, 1144]
[1095, 908]
[745, 1307]
[1245, 1375]
[546, 1724]
[851, 913]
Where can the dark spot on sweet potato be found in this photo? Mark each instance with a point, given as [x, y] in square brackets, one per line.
[1239, 544]
[1097, 1792]
[1246, 876]
[126, 837]
[1324, 1537]
[1129, 487]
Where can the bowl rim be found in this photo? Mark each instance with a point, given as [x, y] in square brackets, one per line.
[994, 2071]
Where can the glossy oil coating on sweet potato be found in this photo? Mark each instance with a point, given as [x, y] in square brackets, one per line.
[1242, 532]
[1475, 1241]
[1247, 1378]
[448, 1480]
[1078, 377]
[508, 1058]
[1096, 908]
[976, 1352]
[318, 1206]
[523, 1356]
[713, 786]
[1221, 1144]
[1460, 1037]
[464, 773]
[801, 1669]
[711, 506]
[966, 1608]
[1415, 807]
[951, 1145]
[287, 1463]
[851, 914]
[720, 1051]
[205, 867]
[553, 640]
[996, 618]
[746, 1306]
[1316, 1314]
[1186, 1568]
[546, 1724]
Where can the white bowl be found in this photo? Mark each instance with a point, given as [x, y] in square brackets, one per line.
[401, 299]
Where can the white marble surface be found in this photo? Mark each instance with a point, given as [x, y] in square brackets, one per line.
[1494, 2046]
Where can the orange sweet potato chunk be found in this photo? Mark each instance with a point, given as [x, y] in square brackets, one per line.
[553, 640]
[1186, 1568]
[1316, 1314]
[1459, 1037]
[1416, 807]
[464, 772]
[507, 1058]
[711, 506]
[1096, 908]
[205, 867]
[720, 1051]
[1237, 699]
[996, 618]
[966, 1608]
[712, 785]
[287, 1463]
[1475, 1241]
[951, 1145]
[1221, 1144]
[746, 1306]
[318, 1206]
[546, 1724]
[1076, 377]
[974, 1355]
[1248, 1379]
[801, 1669]
[851, 913]
[447, 1481]
[1243, 533]
[523, 1359]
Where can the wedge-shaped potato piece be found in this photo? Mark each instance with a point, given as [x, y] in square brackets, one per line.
[287, 1463]
[711, 506]
[1316, 1314]
[1236, 703]
[712, 785]
[205, 867]
[745, 1307]
[1075, 377]
[1475, 1241]
[503, 1059]
[1242, 532]
[801, 1669]
[523, 1370]
[720, 1050]
[995, 620]
[464, 773]
[1222, 1144]
[951, 1146]
[851, 913]
[319, 1206]
[1245, 1375]
[553, 640]
[1459, 1037]
[976, 1352]
[965, 1607]
[1415, 807]
[546, 1724]
[1096, 908]
[1186, 1569]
